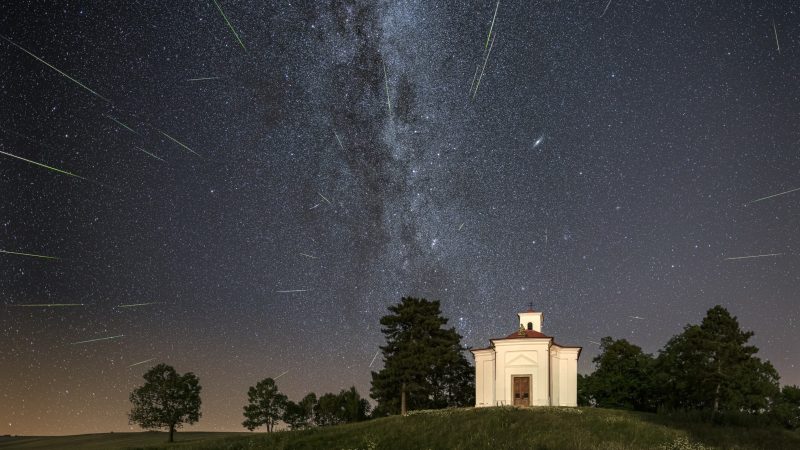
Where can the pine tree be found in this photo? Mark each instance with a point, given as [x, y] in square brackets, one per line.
[710, 366]
[424, 363]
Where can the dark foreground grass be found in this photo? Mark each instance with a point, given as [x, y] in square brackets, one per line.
[517, 428]
[509, 428]
[107, 441]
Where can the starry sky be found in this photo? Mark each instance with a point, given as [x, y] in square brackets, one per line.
[602, 160]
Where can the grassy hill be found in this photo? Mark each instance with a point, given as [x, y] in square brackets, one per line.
[484, 428]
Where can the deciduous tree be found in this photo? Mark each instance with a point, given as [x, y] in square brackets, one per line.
[299, 415]
[166, 400]
[622, 378]
[266, 405]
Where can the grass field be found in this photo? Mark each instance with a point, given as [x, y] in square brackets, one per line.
[107, 441]
[484, 428]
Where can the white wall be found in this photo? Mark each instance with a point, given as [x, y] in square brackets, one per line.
[494, 369]
[522, 357]
[555, 376]
[484, 377]
[568, 377]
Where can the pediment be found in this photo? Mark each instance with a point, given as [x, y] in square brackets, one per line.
[521, 359]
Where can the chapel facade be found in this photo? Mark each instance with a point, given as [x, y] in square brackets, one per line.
[526, 368]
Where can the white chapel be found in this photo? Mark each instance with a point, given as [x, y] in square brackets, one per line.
[526, 368]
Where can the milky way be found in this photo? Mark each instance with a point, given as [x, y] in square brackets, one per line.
[260, 180]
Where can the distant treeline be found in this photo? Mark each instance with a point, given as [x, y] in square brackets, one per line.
[708, 371]
[424, 367]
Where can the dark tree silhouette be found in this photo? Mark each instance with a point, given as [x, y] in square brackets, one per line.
[299, 415]
[166, 400]
[346, 407]
[424, 363]
[787, 407]
[622, 379]
[711, 367]
[266, 405]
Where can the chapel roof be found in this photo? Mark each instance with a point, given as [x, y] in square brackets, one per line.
[528, 334]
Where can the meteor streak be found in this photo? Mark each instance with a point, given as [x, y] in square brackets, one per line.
[229, 25]
[461, 226]
[141, 362]
[485, 60]
[98, 339]
[386, 82]
[775, 29]
[774, 195]
[292, 290]
[179, 143]
[44, 165]
[284, 373]
[203, 78]
[121, 124]
[46, 305]
[753, 256]
[474, 76]
[373, 358]
[636, 317]
[338, 140]
[54, 68]
[604, 11]
[309, 256]
[492, 26]
[133, 305]
[323, 197]
[145, 151]
[29, 254]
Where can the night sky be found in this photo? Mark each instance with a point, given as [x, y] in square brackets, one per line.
[607, 166]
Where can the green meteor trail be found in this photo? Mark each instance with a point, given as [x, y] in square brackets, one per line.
[773, 195]
[29, 254]
[179, 143]
[121, 124]
[485, 60]
[145, 151]
[54, 68]
[496, 7]
[753, 256]
[229, 25]
[323, 197]
[44, 165]
[386, 82]
[133, 305]
[203, 79]
[98, 339]
[338, 140]
[474, 77]
[141, 362]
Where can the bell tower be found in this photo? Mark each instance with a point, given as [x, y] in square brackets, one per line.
[530, 319]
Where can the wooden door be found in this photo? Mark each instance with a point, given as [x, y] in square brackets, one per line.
[522, 391]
